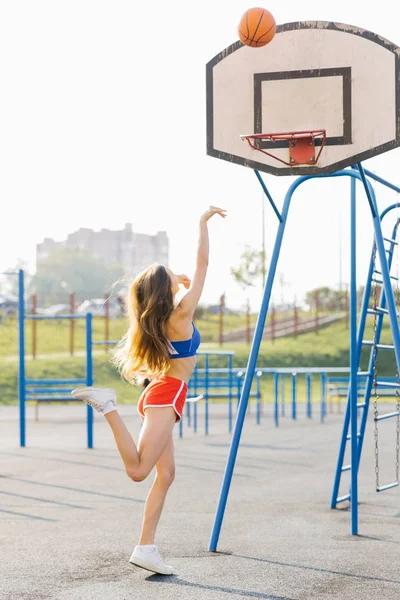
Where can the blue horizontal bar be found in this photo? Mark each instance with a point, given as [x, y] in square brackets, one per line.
[346, 468]
[391, 276]
[53, 317]
[53, 381]
[218, 370]
[226, 395]
[54, 399]
[216, 352]
[296, 370]
[374, 311]
[272, 370]
[46, 390]
[391, 241]
[105, 342]
[380, 346]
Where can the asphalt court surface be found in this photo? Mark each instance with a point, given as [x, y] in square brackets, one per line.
[69, 517]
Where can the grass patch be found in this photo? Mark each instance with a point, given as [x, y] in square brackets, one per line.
[328, 348]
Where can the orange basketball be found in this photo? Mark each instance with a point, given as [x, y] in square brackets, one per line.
[257, 27]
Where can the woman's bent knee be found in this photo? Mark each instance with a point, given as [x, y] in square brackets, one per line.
[137, 475]
[166, 476]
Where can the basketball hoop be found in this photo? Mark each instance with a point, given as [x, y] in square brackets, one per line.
[301, 145]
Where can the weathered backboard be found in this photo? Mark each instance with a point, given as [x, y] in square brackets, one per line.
[313, 75]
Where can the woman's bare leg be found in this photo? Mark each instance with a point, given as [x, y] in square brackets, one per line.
[165, 473]
[154, 436]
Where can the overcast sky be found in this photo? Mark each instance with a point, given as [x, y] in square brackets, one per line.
[102, 122]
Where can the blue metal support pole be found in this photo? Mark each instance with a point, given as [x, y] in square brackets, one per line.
[251, 365]
[89, 377]
[230, 362]
[258, 399]
[323, 397]
[188, 414]
[294, 396]
[309, 402]
[282, 378]
[239, 387]
[206, 377]
[195, 404]
[382, 181]
[353, 362]
[180, 428]
[21, 351]
[276, 399]
[266, 192]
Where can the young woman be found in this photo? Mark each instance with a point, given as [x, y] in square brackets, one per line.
[161, 345]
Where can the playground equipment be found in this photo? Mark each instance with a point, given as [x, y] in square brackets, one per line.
[279, 375]
[313, 77]
[213, 383]
[50, 389]
[371, 383]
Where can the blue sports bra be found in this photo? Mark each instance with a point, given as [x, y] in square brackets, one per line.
[186, 348]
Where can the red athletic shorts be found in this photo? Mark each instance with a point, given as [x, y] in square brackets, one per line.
[164, 391]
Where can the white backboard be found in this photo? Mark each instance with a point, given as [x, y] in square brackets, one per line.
[313, 75]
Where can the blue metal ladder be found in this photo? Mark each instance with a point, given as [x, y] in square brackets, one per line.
[379, 312]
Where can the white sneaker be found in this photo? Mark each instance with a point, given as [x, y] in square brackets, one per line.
[150, 560]
[99, 398]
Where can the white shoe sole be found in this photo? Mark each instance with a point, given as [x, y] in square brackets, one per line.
[91, 389]
[143, 565]
[195, 399]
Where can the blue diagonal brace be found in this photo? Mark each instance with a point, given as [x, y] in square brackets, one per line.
[266, 192]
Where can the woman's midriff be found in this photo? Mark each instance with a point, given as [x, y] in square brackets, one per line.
[182, 368]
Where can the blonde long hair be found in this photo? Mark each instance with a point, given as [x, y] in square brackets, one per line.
[144, 349]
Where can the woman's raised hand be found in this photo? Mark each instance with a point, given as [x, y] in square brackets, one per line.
[184, 280]
[210, 212]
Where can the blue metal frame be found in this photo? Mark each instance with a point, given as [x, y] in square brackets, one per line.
[353, 356]
[354, 174]
[276, 399]
[206, 393]
[309, 393]
[23, 381]
[89, 378]
[294, 396]
[21, 350]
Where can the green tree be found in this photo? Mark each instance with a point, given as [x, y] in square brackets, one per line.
[73, 270]
[250, 269]
[9, 283]
[250, 272]
[328, 298]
